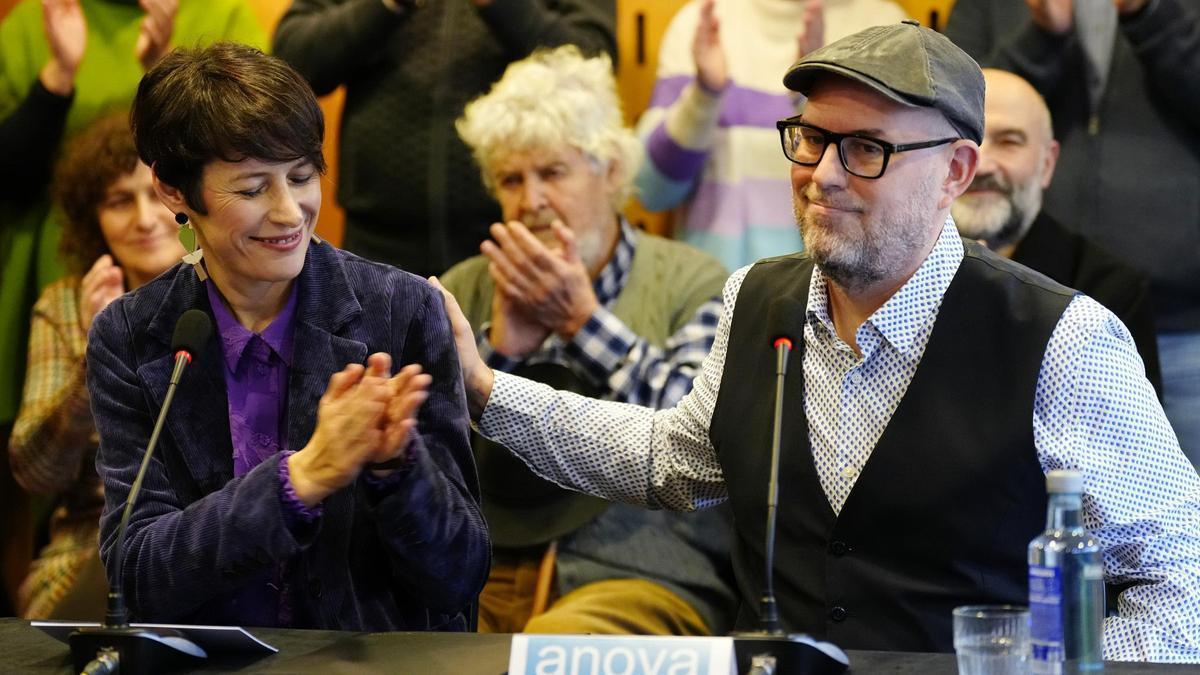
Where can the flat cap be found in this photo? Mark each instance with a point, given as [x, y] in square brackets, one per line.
[909, 64]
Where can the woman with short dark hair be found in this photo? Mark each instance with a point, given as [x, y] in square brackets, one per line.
[301, 482]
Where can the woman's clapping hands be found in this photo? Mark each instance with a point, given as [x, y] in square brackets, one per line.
[364, 418]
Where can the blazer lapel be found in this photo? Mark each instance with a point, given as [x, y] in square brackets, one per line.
[321, 346]
[204, 450]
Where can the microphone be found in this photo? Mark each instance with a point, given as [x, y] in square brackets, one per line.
[769, 650]
[115, 646]
[784, 323]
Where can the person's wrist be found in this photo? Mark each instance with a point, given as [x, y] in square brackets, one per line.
[713, 89]
[309, 491]
[508, 346]
[386, 467]
[479, 389]
[57, 78]
[575, 323]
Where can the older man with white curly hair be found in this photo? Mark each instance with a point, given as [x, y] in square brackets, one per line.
[568, 292]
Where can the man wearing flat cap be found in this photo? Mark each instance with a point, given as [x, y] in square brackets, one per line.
[933, 385]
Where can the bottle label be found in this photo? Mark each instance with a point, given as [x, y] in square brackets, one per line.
[1046, 616]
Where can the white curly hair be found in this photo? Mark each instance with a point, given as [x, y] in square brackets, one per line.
[552, 98]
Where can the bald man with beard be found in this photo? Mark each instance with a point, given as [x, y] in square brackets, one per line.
[1003, 210]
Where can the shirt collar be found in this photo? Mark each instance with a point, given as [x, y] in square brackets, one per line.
[911, 311]
[235, 337]
[613, 275]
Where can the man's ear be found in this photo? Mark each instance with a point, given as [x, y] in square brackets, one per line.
[964, 161]
[169, 195]
[1048, 164]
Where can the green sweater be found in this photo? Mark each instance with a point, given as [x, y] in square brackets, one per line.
[107, 79]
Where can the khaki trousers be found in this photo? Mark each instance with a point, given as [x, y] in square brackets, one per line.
[519, 597]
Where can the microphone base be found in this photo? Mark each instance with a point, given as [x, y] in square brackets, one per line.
[764, 653]
[139, 651]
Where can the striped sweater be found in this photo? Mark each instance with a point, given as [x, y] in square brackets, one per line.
[716, 158]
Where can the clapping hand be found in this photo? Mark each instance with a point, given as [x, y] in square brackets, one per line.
[102, 284]
[1057, 17]
[812, 36]
[1053, 16]
[154, 35]
[363, 418]
[712, 71]
[66, 36]
[553, 287]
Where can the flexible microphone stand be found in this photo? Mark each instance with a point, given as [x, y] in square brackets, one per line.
[116, 646]
[768, 650]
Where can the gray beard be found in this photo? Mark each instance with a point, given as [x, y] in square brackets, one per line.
[1002, 223]
[880, 253]
[1010, 228]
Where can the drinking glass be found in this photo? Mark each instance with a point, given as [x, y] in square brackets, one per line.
[992, 639]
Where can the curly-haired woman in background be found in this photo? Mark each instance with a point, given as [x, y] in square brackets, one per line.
[117, 235]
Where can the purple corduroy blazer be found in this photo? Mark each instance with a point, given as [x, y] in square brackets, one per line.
[412, 557]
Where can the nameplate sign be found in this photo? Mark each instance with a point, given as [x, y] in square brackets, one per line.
[620, 655]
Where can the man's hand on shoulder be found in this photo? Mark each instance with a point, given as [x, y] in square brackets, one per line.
[477, 377]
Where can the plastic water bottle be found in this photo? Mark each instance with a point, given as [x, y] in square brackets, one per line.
[1066, 585]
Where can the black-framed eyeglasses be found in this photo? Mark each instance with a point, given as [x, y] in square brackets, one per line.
[862, 156]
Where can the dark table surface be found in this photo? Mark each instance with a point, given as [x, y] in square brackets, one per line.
[24, 649]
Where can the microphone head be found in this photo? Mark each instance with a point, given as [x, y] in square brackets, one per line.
[785, 321]
[191, 332]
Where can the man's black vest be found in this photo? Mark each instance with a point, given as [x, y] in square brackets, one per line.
[953, 492]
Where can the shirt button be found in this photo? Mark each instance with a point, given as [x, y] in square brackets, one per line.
[838, 548]
[838, 614]
[849, 473]
[856, 377]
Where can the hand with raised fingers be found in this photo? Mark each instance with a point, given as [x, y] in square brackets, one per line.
[409, 388]
[552, 286]
[66, 35]
[712, 70]
[1053, 16]
[512, 332]
[154, 36]
[102, 284]
[350, 432]
[1128, 7]
[812, 35]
